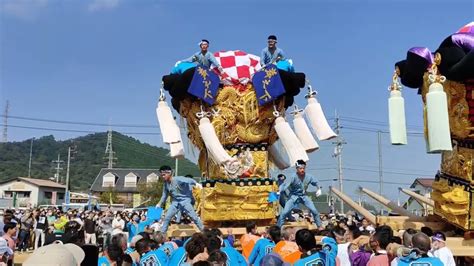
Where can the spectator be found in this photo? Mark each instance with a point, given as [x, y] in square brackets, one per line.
[105, 224]
[217, 258]
[215, 242]
[366, 226]
[136, 226]
[419, 254]
[27, 222]
[73, 233]
[440, 250]
[196, 248]
[118, 224]
[41, 225]
[5, 252]
[342, 246]
[132, 250]
[10, 231]
[287, 248]
[407, 237]
[60, 222]
[359, 249]
[265, 246]
[89, 228]
[248, 240]
[112, 256]
[378, 243]
[149, 256]
[315, 254]
[7, 218]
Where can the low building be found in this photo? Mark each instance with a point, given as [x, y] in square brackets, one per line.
[422, 186]
[32, 192]
[124, 182]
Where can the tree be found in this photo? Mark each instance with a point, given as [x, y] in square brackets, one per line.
[151, 192]
[109, 197]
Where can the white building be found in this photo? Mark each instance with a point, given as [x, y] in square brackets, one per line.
[422, 186]
[125, 182]
[31, 192]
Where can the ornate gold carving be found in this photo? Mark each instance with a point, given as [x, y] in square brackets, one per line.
[458, 162]
[240, 120]
[259, 167]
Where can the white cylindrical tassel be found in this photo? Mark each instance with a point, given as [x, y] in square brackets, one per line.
[318, 121]
[217, 153]
[304, 134]
[396, 118]
[166, 121]
[276, 157]
[290, 142]
[438, 119]
[177, 148]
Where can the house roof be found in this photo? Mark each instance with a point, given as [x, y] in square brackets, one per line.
[425, 182]
[120, 174]
[36, 181]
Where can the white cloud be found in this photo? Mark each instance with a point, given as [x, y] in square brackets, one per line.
[98, 5]
[23, 9]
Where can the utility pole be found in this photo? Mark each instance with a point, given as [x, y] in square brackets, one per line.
[338, 153]
[31, 155]
[109, 151]
[58, 167]
[5, 122]
[69, 150]
[379, 133]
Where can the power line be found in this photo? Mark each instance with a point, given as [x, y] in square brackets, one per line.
[370, 181]
[373, 122]
[80, 131]
[82, 123]
[387, 172]
[374, 166]
[79, 122]
[375, 130]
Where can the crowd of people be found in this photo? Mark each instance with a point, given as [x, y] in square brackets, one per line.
[131, 239]
[103, 238]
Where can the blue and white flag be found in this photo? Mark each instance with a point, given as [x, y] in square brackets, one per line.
[268, 85]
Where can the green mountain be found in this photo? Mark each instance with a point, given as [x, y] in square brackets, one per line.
[87, 160]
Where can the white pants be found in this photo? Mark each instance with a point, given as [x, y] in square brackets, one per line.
[90, 239]
[38, 233]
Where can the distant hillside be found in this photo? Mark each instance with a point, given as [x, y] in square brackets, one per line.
[88, 159]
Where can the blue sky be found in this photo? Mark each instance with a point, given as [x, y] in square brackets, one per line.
[102, 60]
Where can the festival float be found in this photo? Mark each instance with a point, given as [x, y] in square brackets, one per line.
[239, 118]
[445, 80]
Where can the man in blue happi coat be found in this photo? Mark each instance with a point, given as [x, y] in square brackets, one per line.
[271, 53]
[179, 189]
[203, 57]
[296, 186]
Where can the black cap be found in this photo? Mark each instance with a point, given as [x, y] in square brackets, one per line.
[300, 163]
[165, 168]
[272, 37]
[204, 40]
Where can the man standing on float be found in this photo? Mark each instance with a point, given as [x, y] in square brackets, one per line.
[296, 186]
[179, 189]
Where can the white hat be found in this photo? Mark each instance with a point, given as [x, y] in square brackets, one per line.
[4, 247]
[56, 254]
